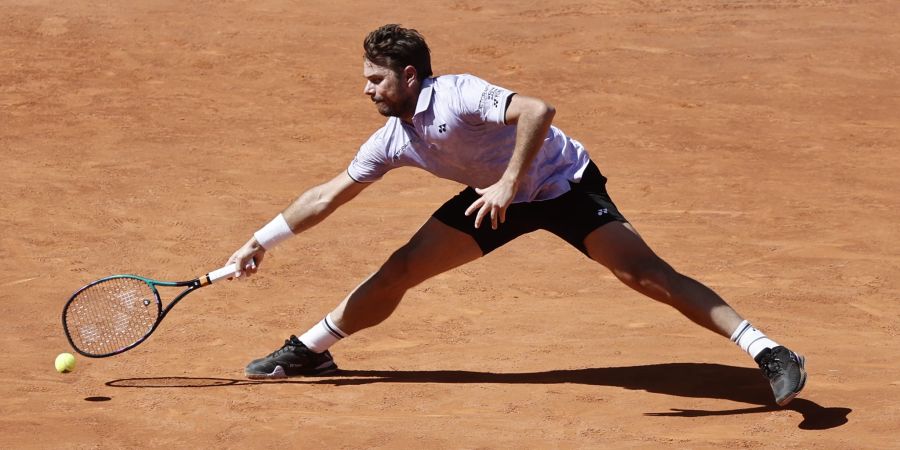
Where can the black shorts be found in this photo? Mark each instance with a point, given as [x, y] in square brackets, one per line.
[571, 216]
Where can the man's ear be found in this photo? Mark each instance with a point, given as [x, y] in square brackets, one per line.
[410, 75]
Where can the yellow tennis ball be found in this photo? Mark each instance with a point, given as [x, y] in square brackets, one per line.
[65, 363]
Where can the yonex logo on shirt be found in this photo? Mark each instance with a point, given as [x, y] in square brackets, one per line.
[442, 128]
[396, 155]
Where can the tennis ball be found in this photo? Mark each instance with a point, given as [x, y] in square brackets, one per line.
[65, 363]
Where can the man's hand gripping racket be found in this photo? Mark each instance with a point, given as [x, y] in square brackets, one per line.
[115, 314]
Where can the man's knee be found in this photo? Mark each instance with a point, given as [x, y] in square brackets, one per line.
[397, 273]
[649, 273]
[434, 249]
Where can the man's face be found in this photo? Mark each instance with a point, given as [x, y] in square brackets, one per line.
[393, 95]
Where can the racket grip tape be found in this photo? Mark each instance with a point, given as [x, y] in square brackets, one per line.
[228, 271]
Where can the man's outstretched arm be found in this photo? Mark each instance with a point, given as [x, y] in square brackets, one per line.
[307, 210]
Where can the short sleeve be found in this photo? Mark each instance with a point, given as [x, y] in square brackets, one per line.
[372, 160]
[483, 100]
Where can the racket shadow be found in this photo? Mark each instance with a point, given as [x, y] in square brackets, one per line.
[692, 380]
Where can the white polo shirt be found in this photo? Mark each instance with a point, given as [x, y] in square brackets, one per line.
[458, 133]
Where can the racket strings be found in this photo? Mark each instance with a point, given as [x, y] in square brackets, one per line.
[112, 315]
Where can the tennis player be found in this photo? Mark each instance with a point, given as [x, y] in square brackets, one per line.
[522, 174]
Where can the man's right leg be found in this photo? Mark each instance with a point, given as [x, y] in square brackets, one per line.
[434, 249]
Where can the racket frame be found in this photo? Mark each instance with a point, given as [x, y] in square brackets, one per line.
[192, 285]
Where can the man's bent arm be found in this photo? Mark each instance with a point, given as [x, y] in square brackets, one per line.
[532, 117]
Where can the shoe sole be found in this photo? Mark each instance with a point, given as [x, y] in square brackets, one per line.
[788, 399]
[279, 373]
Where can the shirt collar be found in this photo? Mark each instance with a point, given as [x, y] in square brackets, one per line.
[424, 96]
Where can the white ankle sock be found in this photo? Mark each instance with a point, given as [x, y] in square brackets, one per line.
[751, 340]
[322, 335]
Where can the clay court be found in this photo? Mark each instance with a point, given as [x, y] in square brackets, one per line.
[753, 144]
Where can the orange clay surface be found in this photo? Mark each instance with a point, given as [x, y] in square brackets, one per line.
[755, 145]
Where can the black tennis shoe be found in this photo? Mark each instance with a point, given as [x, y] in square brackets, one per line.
[785, 372]
[291, 360]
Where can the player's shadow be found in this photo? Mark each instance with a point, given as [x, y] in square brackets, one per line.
[739, 384]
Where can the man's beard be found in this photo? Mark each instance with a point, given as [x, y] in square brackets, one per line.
[386, 110]
[395, 110]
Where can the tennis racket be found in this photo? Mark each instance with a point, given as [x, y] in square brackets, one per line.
[115, 314]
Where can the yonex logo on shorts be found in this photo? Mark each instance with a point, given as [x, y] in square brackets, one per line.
[602, 211]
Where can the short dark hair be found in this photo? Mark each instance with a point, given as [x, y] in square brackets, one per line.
[396, 47]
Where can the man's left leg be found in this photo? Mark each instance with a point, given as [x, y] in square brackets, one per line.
[618, 247]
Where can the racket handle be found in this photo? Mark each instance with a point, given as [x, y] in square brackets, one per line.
[226, 272]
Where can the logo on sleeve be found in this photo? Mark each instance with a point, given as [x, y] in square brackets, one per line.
[490, 97]
[442, 128]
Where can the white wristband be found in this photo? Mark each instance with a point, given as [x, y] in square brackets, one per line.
[273, 233]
